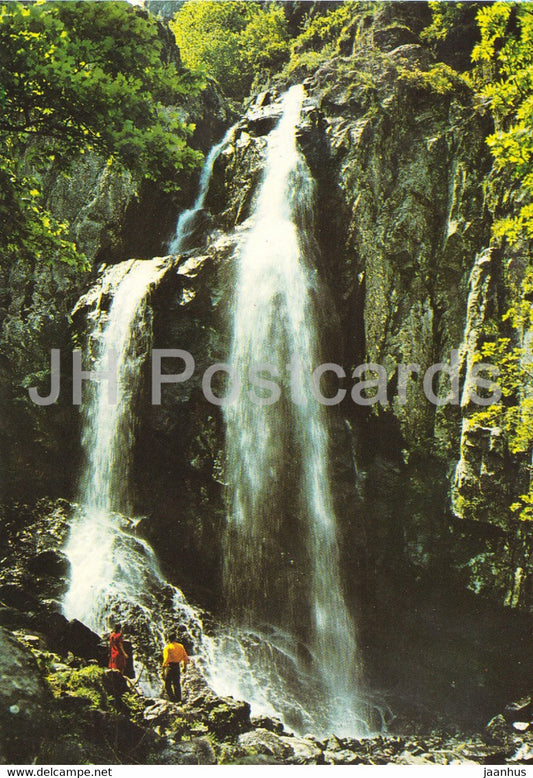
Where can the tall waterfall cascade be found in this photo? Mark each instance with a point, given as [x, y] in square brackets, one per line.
[288, 645]
[282, 564]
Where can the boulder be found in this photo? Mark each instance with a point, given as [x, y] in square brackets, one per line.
[264, 743]
[522, 710]
[83, 642]
[24, 701]
[160, 712]
[118, 730]
[193, 752]
[229, 717]
[498, 731]
[265, 722]
[303, 751]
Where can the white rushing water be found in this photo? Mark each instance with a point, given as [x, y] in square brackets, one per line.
[187, 219]
[290, 648]
[284, 447]
[115, 575]
[107, 559]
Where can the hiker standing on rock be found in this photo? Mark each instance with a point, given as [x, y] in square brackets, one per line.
[173, 655]
[117, 654]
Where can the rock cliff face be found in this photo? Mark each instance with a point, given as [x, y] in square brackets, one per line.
[440, 572]
[111, 217]
[400, 161]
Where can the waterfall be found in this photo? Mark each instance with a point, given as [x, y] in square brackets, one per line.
[113, 570]
[290, 649]
[99, 567]
[114, 573]
[187, 219]
[282, 562]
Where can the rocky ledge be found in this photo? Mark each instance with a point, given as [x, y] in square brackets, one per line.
[59, 704]
[60, 708]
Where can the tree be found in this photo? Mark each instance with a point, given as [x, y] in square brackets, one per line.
[76, 77]
[504, 60]
[232, 41]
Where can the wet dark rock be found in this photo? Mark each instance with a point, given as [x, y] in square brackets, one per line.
[82, 641]
[13, 618]
[119, 731]
[24, 700]
[265, 722]
[522, 710]
[261, 123]
[49, 563]
[263, 742]
[15, 596]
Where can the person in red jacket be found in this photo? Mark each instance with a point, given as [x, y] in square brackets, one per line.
[117, 655]
[173, 655]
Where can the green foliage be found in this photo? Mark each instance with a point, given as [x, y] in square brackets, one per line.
[443, 17]
[92, 76]
[514, 412]
[504, 59]
[440, 78]
[184, 728]
[319, 40]
[28, 229]
[78, 77]
[85, 682]
[232, 41]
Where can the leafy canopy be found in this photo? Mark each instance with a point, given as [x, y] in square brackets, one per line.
[504, 58]
[232, 41]
[75, 77]
[93, 75]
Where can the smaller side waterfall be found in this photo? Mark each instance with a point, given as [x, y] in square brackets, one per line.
[96, 549]
[114, 572]
[187, 219]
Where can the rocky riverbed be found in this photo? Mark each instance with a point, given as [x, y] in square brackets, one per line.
[59, 704]
[60, 708]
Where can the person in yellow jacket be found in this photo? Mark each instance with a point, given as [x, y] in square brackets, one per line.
[173, 655]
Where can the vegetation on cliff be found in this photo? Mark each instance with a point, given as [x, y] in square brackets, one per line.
[233, 42]
[80, 77]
